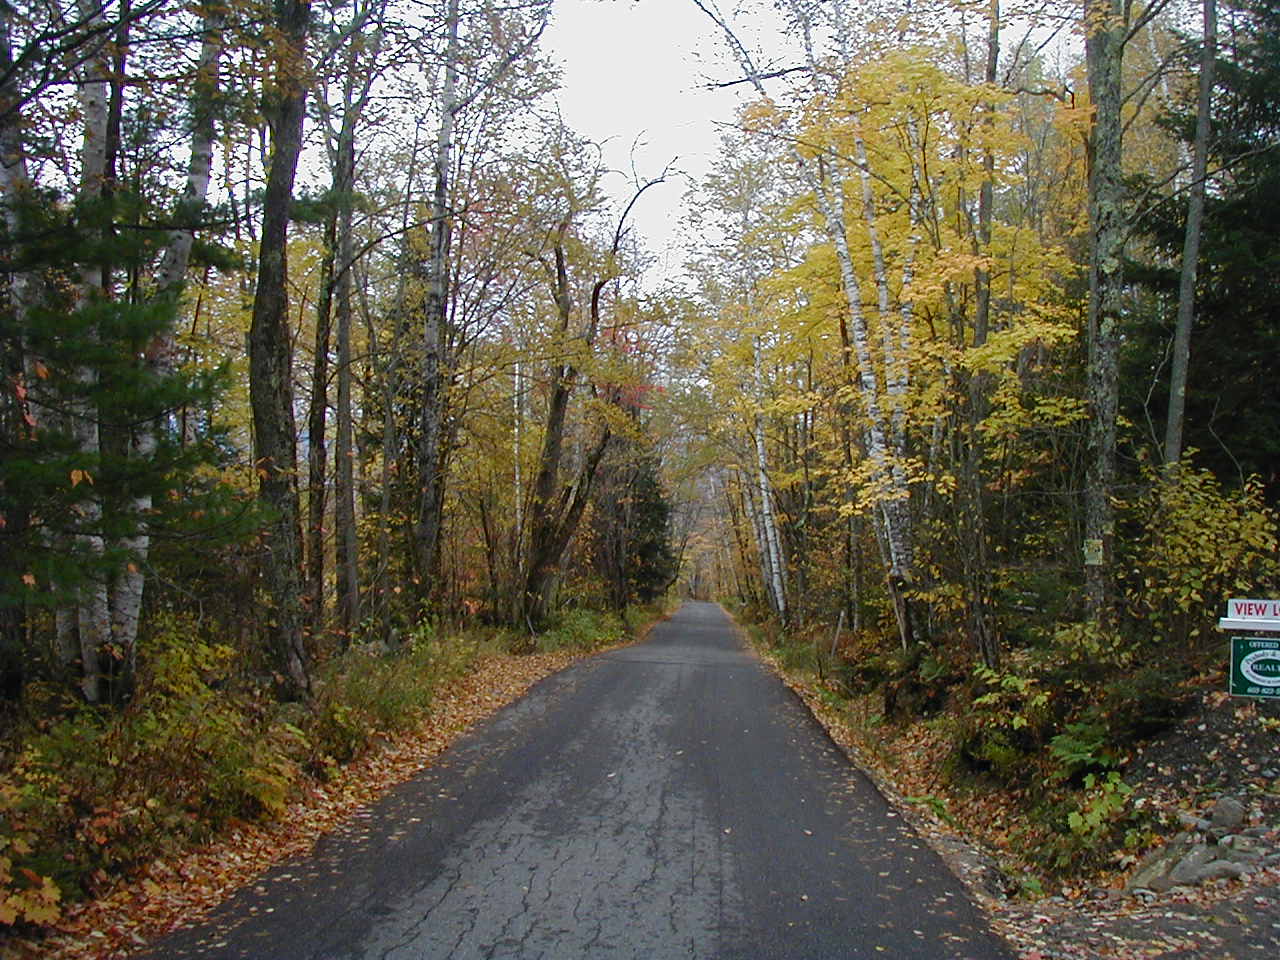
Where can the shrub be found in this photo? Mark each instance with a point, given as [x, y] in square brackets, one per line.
[367, 693]
[1007, 726]
[1198, 545]
[1087, 825]
[97, 789]
[581, 629]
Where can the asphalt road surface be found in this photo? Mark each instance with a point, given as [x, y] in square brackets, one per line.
[669, 800]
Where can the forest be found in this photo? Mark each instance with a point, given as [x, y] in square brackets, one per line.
[329, 365]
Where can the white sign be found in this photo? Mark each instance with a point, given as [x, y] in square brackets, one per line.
[1253, 609]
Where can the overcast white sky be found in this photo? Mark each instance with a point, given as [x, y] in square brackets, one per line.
[635, 73]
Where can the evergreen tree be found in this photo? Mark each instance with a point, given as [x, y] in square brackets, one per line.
[1232, 405]
[632, 529]
[48, 478]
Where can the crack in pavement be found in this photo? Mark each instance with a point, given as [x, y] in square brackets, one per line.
[668, 800]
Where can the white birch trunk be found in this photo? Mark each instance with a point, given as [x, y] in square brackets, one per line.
[431, 439]
[93, 615]
[769, 526]
[895, 340]
[889, 485]
[127, 595]
[757, 530]
[517, 440]
[890, 497]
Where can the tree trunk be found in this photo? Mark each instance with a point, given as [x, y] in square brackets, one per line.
[770, 544]
[554, 517]
[93, 613]
[431, 452]
[894, 509]
[18, 414]
[1191, 242]
[1104, 48]
[270, 353]
[317, 424]
[388, 359]
[346, 548]
[975, 510]
[161, 357]
[356, 85]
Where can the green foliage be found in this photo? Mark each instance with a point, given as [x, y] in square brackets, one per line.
[102, 790]
[1086, 826]
[1082, 749]
[368, 693]
[631, 528]
[936, 805]
[98, 790]
[796, 653]
[1232, 405]
[25, 895]
[75, 366]
[581, 629]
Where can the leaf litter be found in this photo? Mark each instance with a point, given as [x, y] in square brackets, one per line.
[1222, 746]
[171, 893]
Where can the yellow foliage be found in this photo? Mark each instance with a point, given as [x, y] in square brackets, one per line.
[1199, 546]
[24, 894]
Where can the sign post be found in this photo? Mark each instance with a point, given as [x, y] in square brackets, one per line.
[1255, 661]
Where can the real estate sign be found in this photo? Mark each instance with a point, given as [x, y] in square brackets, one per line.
[1255, 667]
[1253, 609]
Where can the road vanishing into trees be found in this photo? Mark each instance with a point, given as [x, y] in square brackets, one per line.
[670, 799]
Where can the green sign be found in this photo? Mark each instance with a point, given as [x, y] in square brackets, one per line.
[1255, 667]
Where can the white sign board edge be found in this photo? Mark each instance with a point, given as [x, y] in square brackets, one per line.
[1253, 609]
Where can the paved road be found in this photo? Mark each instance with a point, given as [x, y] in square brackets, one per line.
[669, 800]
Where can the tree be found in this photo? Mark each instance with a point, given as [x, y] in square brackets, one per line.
[1191, 243]
[1228, 403]
[97, 372]
[270, 350]
[631, 527]
[559, 497]
[1106, 27]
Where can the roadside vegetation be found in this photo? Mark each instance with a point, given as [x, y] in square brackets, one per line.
[1039, 757]
[981, 470]
[93, 797]
[310, 402]
[310, 408]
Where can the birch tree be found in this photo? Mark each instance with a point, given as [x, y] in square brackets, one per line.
[92, 614]
[826, 180]
[161, 355]
[520, 35]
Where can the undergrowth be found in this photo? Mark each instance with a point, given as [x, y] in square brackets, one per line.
[1033, 756]
[88, 793]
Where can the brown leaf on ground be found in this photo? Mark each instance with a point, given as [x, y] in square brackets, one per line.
[168, 894]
